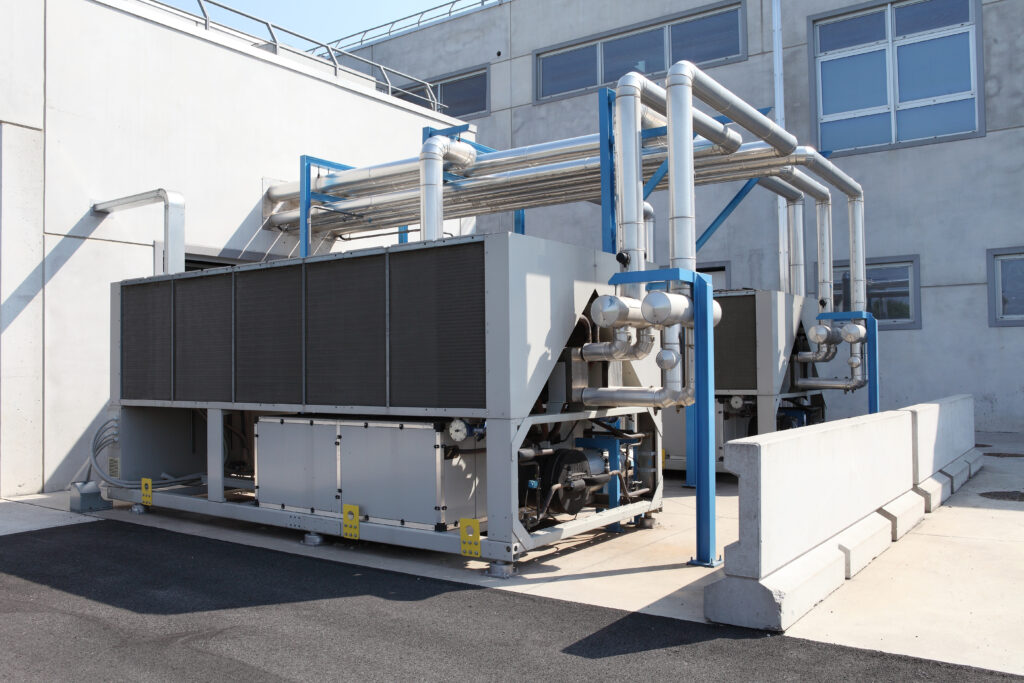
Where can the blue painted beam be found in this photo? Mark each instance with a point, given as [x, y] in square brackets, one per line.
[655, 179]
[726, 212]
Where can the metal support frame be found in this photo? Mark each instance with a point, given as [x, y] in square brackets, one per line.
[606, 126]
[306, 195]
[455, 132]
[871, 323]
[702, 424]
[174, 222]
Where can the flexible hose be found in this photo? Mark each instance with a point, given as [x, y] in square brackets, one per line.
[106, 436]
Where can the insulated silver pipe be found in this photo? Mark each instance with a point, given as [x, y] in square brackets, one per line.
[435, 152]
[649, 232]
[795, 221]
[672, 391]
[629, 189]
[682, 225]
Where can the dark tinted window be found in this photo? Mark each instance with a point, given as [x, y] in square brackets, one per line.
[707, 38]
[567, 71]
[924, 16]
[867, 28]
[465, 95]
[643, 52]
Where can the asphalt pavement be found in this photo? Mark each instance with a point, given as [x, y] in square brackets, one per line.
[113, 601]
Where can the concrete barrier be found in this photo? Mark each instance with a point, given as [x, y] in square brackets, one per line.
[808, 514]
[944, 454]
[818, 503]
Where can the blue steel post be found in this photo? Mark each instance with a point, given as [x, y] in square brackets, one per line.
[519, 222]
[614, 448]
[872, 342]
[703, 343]
[691, 447]
[304, 206]
[606, 99]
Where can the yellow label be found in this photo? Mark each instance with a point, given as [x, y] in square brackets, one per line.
[147, 491]
[469, 534]
[350, 521]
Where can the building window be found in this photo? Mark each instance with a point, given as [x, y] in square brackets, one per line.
[461, 96]
[1006, 287]
[894, 291]
[901, 72]
[707, 38]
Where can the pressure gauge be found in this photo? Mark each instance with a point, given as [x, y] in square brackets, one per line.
[458, 430]
[736, 402]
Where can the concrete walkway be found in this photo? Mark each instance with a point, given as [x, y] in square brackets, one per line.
[950, 590]
[953, 588]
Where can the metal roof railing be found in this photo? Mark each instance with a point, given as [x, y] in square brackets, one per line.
[278, 38]
[410, 23]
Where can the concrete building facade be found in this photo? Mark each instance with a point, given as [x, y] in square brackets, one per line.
[101, 99]
[920, 100]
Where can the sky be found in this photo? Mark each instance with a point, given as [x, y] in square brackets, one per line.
[324, 20]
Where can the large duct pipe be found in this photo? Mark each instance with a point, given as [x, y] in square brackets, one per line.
[795, 221]
[682, 225]
[671, 393]
[436, 151]
[629, 189]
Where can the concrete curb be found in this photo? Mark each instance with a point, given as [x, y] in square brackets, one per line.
[778, 600]
[903, 513]
[975, 460]
[959, 471]
[935, 490]
[864, 541]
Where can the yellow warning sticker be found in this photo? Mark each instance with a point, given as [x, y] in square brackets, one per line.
[147, 491]
[469, 533]
[350, 521]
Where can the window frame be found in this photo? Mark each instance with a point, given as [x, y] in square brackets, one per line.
[664, 23]
[912, 260]
[890, 44]
[439, 81]
[991, 256]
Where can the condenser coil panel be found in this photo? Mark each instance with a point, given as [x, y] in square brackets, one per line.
[400, 328]
[146, 341]
[202, 352]
[736, 344]
[346, 303]
[437, 335]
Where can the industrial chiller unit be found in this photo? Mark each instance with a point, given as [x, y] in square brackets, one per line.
[486, 394]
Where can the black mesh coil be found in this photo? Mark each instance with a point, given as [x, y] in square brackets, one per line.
[146, 341]
[202, 338]
[736, 344]
[268, 335]
[346, 344]
[437, 336]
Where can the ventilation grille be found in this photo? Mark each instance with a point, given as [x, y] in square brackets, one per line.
[146, 341]
[346, 332]
[202, 346]
[736, 344]
[319, 333]
[437, 327]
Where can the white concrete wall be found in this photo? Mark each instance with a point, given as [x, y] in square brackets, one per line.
[800, 487]
[920, 200]
[21, 309]
[137, 97]
[943, 431]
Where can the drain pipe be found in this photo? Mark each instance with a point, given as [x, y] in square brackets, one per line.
[174, 222]
[438, 153]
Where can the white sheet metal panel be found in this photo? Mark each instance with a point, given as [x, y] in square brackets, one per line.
[297, 464]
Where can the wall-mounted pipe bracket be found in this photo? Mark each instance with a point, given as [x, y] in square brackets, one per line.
[174, 222]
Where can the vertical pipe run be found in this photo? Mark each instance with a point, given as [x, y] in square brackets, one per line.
[629, 176]
[797, 279]
[649, 232]
[682, 224]
[782, 249]
[825, 293]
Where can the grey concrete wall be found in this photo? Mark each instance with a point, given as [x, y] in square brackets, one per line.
[946, 202]
[137, 97]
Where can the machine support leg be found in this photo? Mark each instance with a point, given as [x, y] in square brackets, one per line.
[705, 420]
[502, 482]
[215, 455]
